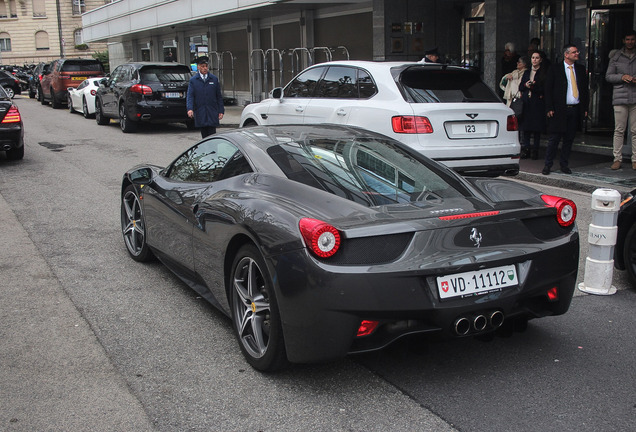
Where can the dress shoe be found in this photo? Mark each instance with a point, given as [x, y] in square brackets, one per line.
[616, 165]
[546, 170]
[566, 170]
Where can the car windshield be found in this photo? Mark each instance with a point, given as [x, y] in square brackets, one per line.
[82, 66]
[165, 74]
[372, 172]
[424, 85]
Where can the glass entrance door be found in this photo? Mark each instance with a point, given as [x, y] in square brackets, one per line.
[607, 28]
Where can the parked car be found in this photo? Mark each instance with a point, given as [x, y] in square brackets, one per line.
[324, 240]
[625, 249]
[10, 84]
[82, 98]
[63, 73]
[447, 113]
[11, 128]
[34, 81]
[144, 92]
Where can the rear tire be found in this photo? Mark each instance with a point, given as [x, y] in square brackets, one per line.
[69, 102]
[85, 109]
[255, 315]
[99, 114]
[54, 102]
[10, 92]
[126, 125]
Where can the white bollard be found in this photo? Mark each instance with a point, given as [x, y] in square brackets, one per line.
[599, 265]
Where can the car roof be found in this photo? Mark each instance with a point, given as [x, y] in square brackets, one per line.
[384, 65]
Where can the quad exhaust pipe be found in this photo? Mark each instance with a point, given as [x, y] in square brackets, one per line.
[478, 323]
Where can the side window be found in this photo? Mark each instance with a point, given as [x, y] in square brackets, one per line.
[339, 82]
[366, 85]
[304, 84]
[211, 160]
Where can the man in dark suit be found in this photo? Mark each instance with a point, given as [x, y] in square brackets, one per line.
[566, 102]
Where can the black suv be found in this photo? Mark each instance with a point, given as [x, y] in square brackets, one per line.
[144, 92]
[34, 81]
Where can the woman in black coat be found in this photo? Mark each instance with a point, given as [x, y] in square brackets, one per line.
[533, 119]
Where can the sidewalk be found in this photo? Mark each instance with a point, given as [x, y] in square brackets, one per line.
[590, 163]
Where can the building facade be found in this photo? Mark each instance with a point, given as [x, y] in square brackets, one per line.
[255, 45]
[33, 31]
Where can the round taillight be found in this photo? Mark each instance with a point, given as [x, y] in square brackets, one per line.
[565, 208]
[93, 92]
[321, 238]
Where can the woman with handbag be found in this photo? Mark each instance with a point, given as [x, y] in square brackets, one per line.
[510, 82]
[533, 121]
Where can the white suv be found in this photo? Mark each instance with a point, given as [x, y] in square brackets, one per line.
[447, 113]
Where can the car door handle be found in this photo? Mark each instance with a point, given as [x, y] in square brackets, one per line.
[300, 108]
[341, 112]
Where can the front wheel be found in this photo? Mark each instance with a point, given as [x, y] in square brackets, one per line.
[255, 315]
[133, 227]
[629, 254]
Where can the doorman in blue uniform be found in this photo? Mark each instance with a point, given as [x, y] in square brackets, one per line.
[205, 100]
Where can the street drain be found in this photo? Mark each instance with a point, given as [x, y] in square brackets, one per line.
[52, 146]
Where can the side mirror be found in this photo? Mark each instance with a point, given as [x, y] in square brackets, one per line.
[277, 93]
[142, 176]
[103, 81]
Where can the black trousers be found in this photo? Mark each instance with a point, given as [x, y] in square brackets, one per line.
[207, 131]
[571, 123]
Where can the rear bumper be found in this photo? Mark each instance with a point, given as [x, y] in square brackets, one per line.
[322, 306]
[159, 112]
[11, 137]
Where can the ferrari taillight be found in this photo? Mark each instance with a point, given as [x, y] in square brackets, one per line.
[512, 124]
[411, 125]
[13, 115]
[321, 238]
[93, 92]
[141, 89]
[566, 209]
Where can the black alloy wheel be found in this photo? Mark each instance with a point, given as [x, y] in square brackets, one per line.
[133, 227]
[99, 114]
[255, 315]
[126, 125]
[629, 254]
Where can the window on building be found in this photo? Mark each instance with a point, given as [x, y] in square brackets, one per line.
[13, 10]
[39, 9]
[5, 42]
[79, 7]
[41, 40]
[77, 37]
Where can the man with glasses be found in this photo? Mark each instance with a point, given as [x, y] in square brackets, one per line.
[566, 102]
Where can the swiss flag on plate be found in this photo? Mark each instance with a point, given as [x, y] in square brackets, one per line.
[445, 286]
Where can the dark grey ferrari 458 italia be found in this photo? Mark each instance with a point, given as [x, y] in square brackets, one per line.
[321, 241]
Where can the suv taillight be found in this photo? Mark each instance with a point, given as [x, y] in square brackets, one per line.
[13, 116]
[513, 123]
[141, 89]
[411, 125]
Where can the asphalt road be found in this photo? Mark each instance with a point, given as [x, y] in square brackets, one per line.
[93, 341]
